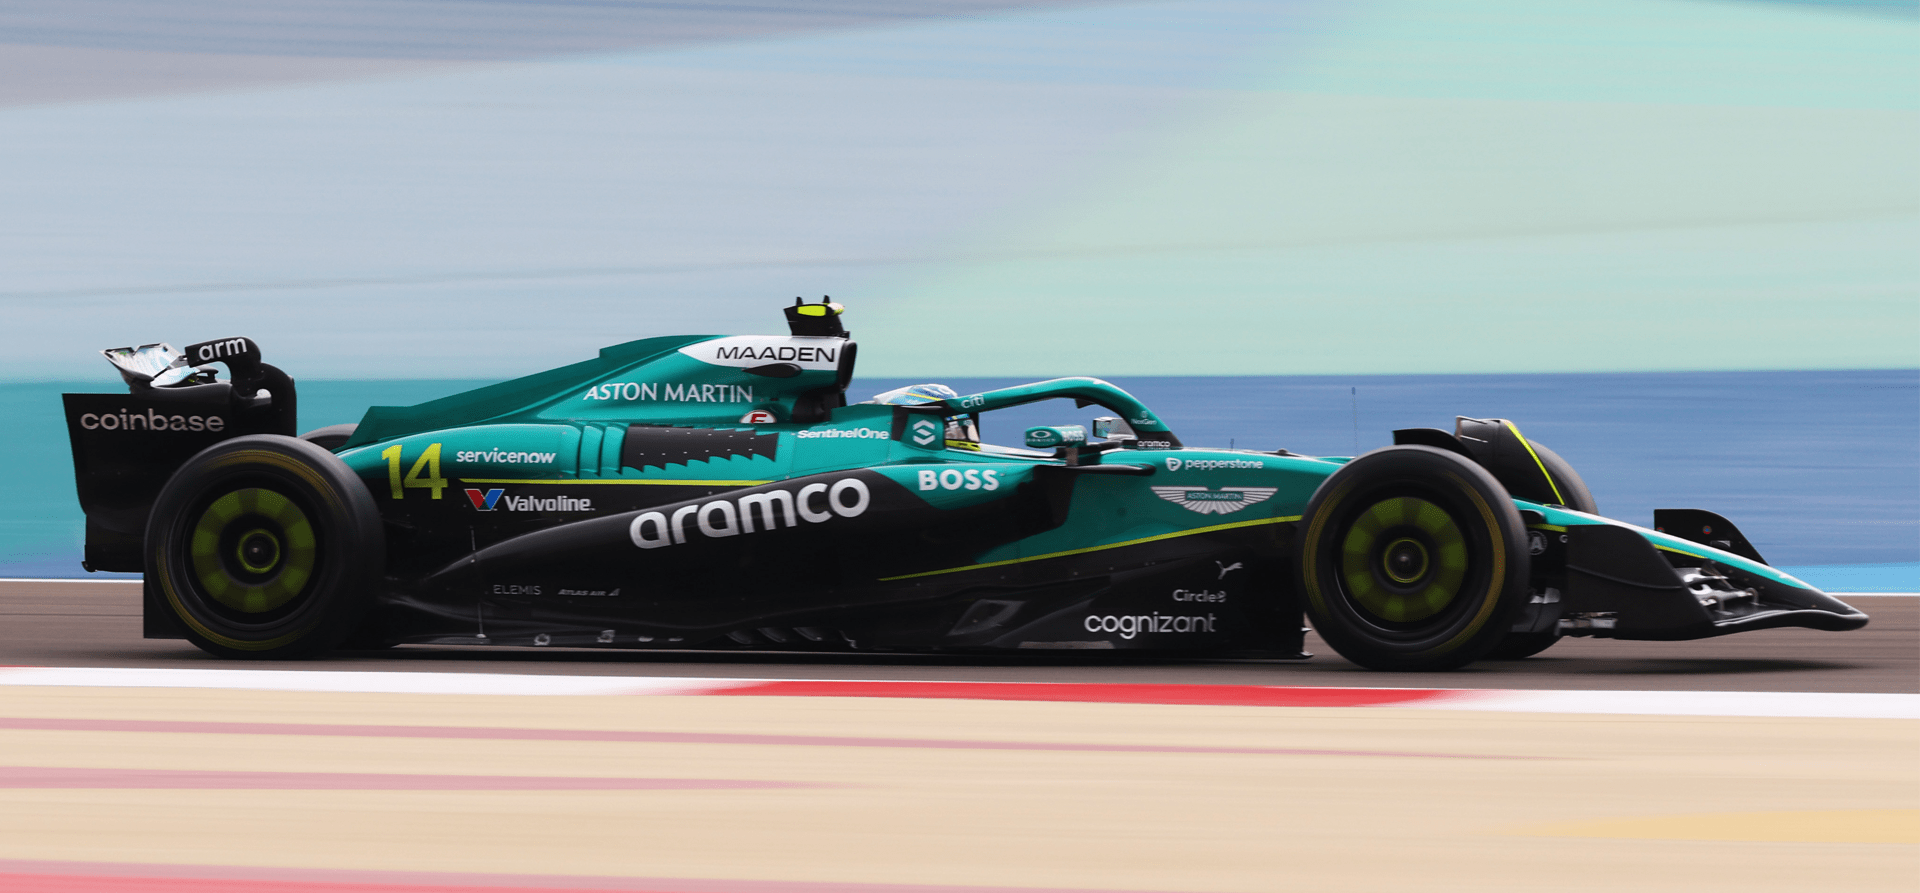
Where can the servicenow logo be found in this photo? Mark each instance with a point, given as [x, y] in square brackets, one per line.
[150, 420]
[503, 457]
[752, 513]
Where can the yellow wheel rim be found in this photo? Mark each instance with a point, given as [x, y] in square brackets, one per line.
[252, 550]
[1403, 559]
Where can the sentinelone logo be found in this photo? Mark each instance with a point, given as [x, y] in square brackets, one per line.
[853, 433]
[150, 420]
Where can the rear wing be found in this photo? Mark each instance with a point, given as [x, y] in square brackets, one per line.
[126, 446]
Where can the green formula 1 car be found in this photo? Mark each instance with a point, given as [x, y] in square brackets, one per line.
[704, 492]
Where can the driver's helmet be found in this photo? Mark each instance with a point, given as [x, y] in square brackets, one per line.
[963, 431]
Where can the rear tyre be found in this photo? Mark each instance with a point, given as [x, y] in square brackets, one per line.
[265, 547]
[1412, 558]
[332, 437]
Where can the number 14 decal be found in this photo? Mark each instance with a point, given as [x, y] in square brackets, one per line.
[429, 462]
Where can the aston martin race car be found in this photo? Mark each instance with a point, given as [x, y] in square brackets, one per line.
[703, 492]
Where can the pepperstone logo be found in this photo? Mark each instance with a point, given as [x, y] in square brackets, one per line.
[1175, 464]
[1225, 500]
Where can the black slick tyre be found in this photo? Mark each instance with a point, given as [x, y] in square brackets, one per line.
[1575, 495]
[1411, 558]
[332, 437]
[265, 546]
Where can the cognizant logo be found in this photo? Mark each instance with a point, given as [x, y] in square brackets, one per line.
[812, 504]
[151, 420]
[1130, 625]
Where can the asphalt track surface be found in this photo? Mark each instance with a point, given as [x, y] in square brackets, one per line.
[106, 788]
[97, 624]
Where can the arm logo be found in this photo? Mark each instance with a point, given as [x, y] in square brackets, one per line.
[1225, 500]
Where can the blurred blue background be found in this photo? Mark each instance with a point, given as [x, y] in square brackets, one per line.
[1674, 239]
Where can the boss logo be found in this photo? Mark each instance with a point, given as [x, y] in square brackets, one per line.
[957, 479]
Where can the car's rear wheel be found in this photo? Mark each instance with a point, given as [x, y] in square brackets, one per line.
[1411, 558]
[265, 547]
[331, 437]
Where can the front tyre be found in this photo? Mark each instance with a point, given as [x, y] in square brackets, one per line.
[265, 547]
[1412, 558]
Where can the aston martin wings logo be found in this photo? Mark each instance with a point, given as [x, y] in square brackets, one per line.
[1214, 502]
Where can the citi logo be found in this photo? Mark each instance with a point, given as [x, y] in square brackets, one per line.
[813, 504]
[489, 500]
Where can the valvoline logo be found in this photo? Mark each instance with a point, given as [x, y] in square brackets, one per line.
[489, 500]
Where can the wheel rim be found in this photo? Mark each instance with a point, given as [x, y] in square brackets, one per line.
[1403, 560]
[253, 552]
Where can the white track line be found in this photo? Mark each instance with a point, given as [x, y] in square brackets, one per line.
[1646, 703]
[358, 682]
[1819, 705]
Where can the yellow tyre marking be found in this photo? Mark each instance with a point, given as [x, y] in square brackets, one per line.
[1558, 499]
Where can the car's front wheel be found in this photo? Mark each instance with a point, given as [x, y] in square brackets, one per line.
[265, 547]
[1411, 558]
